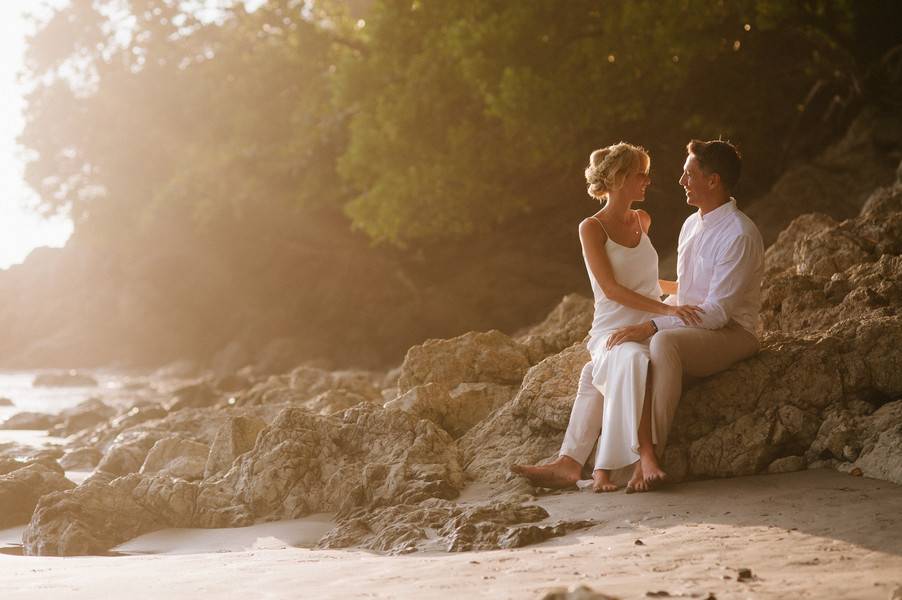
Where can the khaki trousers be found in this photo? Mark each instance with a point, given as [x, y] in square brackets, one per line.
[695, 352]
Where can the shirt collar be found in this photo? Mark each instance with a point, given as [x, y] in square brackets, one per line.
[718, 214]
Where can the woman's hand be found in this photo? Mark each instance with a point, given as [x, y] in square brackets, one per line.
[689, 314]
[631, 333]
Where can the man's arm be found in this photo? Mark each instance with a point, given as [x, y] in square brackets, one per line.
[729, 281]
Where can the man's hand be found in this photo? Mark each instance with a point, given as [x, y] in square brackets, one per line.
[631, 333]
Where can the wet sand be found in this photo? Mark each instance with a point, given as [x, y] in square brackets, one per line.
[814, 534]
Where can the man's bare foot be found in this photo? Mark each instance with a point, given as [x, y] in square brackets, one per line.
[651, 470]
[637, 483]
[601, 481]
[561, 474]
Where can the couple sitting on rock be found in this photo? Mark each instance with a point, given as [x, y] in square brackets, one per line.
[640, 346]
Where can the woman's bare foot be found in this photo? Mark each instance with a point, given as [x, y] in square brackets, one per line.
[563, 473]
[601, 481]
[651, 470]
[637, 483]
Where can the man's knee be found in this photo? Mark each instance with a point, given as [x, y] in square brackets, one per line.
[663, 346]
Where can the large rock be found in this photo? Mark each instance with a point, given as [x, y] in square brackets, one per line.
[881, 440]
[195, 395]
[454, 409]
[236, 436]
[103, 512]
[128, 452]
[84, 415]
[302, 463]
[490, 357]
[29, 420]
[568, 323]
[822, 272]
[177, 457]
[21, 489]
[442, 525]
[530, 427]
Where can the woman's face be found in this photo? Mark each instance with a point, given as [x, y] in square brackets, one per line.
[637, 182]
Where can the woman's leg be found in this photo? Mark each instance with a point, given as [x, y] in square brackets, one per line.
[582, 431]
[647, 472]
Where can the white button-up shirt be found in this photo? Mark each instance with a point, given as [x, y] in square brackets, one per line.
[720, 265]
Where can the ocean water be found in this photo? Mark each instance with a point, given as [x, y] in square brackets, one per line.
[18, 387]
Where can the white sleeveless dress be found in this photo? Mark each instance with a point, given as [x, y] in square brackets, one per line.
[612, 385]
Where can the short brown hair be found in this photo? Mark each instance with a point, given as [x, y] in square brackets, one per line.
[718, 156]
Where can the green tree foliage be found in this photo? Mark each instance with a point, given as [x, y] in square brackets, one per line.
[425, 120]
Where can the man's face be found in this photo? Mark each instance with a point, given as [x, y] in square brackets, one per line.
[695, 182]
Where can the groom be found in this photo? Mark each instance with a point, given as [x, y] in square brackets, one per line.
[720, 264]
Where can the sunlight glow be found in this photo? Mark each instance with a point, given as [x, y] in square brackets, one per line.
[21, 228]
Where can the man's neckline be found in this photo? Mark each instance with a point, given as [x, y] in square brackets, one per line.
[718, 213]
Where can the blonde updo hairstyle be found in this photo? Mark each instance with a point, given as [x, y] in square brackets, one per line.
[609, 167]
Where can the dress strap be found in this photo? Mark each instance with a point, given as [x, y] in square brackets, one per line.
[597, 220]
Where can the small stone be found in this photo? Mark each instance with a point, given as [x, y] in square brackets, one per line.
[856, 472]
[744, 575]
[639, 543]
[658, 594]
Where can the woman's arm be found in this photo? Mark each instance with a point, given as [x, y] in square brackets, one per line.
[592, 237]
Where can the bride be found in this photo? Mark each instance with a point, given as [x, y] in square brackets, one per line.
[613, 405]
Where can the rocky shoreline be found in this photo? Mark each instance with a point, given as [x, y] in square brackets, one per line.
[390, 453]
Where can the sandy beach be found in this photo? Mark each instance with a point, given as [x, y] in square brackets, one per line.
[813, 534]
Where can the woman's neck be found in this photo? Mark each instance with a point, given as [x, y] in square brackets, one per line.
[618, 208]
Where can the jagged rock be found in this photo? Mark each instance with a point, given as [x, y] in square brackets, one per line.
[177, 457]
[454, 409]
[137, 415]
[21, 489]
[530, 427]
[196, 395]
[67, 379]
[84, 415]
[837, 430]
[302, 463]
[821, 272]
[365, 456]
[313, 381]
[787, 464]
[236, 436]
[880, 438]
[6, 402]
[81, 459]
[104, 511]
[333, 401]
[567, 324]
[304, 384]
[29, 420]
[489, 357]
[8, 465]
[128, 452]
[487, 526]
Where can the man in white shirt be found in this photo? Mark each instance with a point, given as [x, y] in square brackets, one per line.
[720, 265]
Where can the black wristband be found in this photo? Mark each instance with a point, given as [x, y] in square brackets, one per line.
[654, 325]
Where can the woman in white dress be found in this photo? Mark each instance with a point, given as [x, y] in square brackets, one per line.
[612, 405]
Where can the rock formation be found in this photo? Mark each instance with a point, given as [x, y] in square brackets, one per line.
[390, 453]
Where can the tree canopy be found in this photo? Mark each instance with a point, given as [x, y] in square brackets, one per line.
[420, 120]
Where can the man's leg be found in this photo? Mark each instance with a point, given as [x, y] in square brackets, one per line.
[582, 432]
[695, 352]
